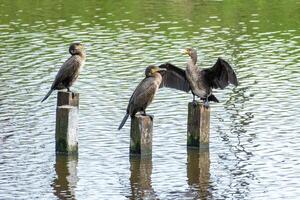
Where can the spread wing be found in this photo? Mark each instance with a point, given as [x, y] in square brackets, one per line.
[220, 75]
[68, 71]
[174, 77]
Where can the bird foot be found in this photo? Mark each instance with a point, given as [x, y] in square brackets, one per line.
[151, 116]
[206, 104]
[194, 103]
[68, 90]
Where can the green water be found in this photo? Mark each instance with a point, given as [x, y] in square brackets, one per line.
[254, 130]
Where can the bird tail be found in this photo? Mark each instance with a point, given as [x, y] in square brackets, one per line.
[123, 121]
[47, 95]
[213, 98]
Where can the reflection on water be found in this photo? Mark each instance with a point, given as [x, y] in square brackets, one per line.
[140, 178]
[198, 174]
[66, 178]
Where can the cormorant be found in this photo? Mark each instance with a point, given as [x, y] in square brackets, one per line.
[144, 93]
[69, 71]
[199, 81]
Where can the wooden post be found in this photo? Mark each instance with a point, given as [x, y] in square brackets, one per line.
[67, 123]
[141, 135]
[198, 126]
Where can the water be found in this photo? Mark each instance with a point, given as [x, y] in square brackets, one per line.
[254, 151]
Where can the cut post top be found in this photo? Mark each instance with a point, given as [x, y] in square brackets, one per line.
[198, 104]
[143, 116]
[67, 98]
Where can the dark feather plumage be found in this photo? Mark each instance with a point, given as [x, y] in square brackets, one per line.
[144, 93]
[200, 81]
[69, 71]
[174, 77]
[220, 75]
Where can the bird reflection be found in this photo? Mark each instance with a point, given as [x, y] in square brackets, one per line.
[140, 178]
[198, 175]
[65, 182]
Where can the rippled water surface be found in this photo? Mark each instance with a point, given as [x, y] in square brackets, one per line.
[254, 140]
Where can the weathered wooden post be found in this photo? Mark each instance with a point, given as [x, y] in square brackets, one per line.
[198, 125]
[67, 123]
[141, 135]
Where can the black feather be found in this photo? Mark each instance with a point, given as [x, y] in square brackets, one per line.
[220, 75]
[174, 77]
[47, 95]
[123, 121]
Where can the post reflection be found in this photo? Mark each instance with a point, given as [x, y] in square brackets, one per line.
[65, 182]
[198, 174]
[140, 178]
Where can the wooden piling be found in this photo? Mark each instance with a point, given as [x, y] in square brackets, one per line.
[67, 123]
[141, 135]
[198, 126]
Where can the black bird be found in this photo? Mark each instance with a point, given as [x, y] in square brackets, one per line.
[199, 81]
[144, 93]
[69, 71]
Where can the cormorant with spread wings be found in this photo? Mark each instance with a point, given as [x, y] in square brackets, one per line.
[199, 81]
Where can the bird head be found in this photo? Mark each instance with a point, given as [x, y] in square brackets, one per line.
[190, 51]
[76, 49]
[151, 70]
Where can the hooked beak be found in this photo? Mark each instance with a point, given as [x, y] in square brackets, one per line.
[185, 51]
[158, 69]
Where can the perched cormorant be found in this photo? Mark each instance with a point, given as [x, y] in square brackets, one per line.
[199, 81]
[144, 93]
[69, 71]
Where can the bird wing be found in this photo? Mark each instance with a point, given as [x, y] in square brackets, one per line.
[220, 75]
[174, 77]
[142, 95]
[67, 71]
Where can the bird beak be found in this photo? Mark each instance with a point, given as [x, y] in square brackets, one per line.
[82, 47]
[184, 51]
[157, 69]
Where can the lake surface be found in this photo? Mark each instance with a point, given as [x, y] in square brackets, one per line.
[254, 137]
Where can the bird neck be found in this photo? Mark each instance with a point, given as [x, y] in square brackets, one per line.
[191, 65]
[157, 76]
[82, 55]
[194, 58]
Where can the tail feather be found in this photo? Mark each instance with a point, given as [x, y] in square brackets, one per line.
[213, 98]
[47, 95]
[123, 121]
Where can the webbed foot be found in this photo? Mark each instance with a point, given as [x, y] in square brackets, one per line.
[194, 103]
[151, 116]
[206, 104]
